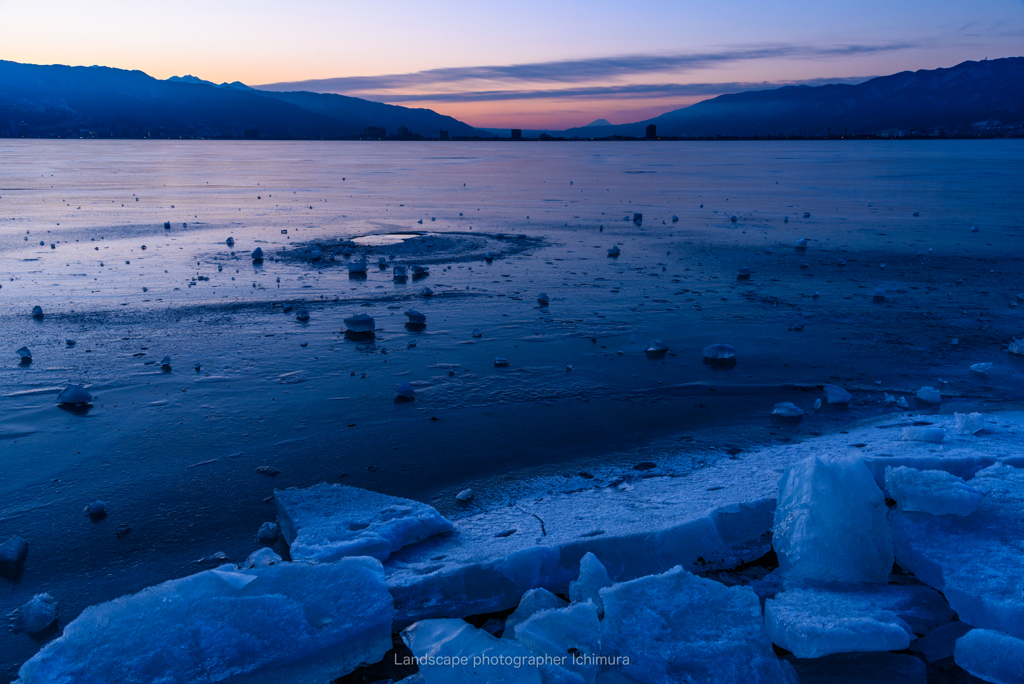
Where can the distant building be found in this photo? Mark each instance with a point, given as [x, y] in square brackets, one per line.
[652, 132]
[252, 134]
[444, 134]
[517, 134]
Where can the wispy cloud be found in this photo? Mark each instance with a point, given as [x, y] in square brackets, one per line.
[599, 69]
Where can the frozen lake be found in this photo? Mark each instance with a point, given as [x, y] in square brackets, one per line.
[174, 453]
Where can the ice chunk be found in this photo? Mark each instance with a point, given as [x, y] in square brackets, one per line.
[268, 532]
[420, 271]
[830, 523]
[302, 314]
[294, 622]
[1015, 347]
[592, 578]
[357, 266]
[326, 522]
[969, 423]
[500, 362]
[837, 395]
[25, 355]
[569, 637]
[975, 561]
[879, 295]
[257, 254]
[415, 317]
[930, 491]
[902, 402]
[787, 409]
[405, 390]
[801, 242]
[817, 621]
[924, 434]
[465, 496]
[166, 363]
[399, 271]
[450, 651]
[613, 251]
[534, 601]
[992, 656]
[37, 311]
[981, 367]
[36, 615]
[12, 557]
[360, 324]
[656, 350]
[929, 395]
[862, 668]
[940, 642]
[74, 394]
[677, 627]
[230, 242]
[720, 352]
[427, 292]
[96, 510]
[543, 299]
[262, 558]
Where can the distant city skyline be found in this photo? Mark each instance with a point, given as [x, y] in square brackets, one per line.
[529, 64]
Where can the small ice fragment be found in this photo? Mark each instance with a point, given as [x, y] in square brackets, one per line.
[924, 434]
[268, 532]
[879, 294]
[817, 403]
[36, 615]
[415, 317]
[981, 367]
[12, 556]
[533, 601]
[488, 257]
[270, 471]
[452, 651]
[888, 399]
[720, 352]
[837, 395]
[382, 262]
[74, 394]
[543, 299]
[357, 266]
[420, 271]
[767, 250]
[787, 409]
[478, 333]
[931, 491]
[929, 395]
[841, 262]
[902, 402]
[37, 311]
[588, 584]
[501, 363]
[991, 656]
[262, 558]
[166, 363]
[969, 423]
[316, 254]
[399, 271]
[744, 273]
[974, 229]
[656, 349]
[25, 354]
[955, 341]
[302, 314]
[675, 218]
[70, 343]
[1016, 347]
[465, 496]
[405, 391]
[360, 323]
[427, 292]
[96, 510]
[230, 242]
[613, 251]
[257, 254]
[801, 243]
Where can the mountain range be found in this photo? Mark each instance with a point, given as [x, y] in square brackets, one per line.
[977, 98]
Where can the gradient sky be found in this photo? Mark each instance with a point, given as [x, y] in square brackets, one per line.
[518, 63]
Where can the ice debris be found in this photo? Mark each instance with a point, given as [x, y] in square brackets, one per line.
[302, 315]
[940, 642]
[569, 640]
[427, 292]
[543, 299]
[500, 362]
[357, 266]
[720, 352]
[533, 601]
[25, 355]
[452, 651]
[929, 395]
[261, 558]
[36, 615]
[74, 395]
[166, 363]
[656, 349]
[96, 510]
[12, 557]
[930, 491]
[592, 578]
[329, 521]
[405, 390]
[923, 434]
[991, 655]
[816, 621]
[37, 311]
[286, 622]
[787, 409]
[969, 423]
[981, 367]
[465, 496]
[415, 317]
[360, 324]
[830, 523]
[1016, 347]
[837, 395]
[613, 251]
[257, 255]
[268, 532]
[399, 271]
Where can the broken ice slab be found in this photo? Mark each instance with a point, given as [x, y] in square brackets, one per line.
[399, 271]
[930, 491]
[815, 621]
[940, 642]
[969, 423]
[592, 578]
[452, 651]
[289, 622]
[923, 434]
[837, 395]
[991, 656]
[929, 395]
[555, 634]
[975, 561]
[862, 668]
[326, 522]
[25, 355]
[830, 523]
[677, 627]
[533, 601]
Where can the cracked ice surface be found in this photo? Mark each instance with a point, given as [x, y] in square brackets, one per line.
[296, 622]
[329, 521]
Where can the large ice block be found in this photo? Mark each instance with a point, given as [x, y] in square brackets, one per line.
[930, 491]
[329, 521]
[569, 636]
[450, 651]
[992, 656]
[830, 523]
[302, 623]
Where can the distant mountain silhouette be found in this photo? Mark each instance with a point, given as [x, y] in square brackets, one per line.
[51, 101]
[971, 98]
[598, 122]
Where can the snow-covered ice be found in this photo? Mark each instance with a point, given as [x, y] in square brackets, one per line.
[330, 521]
[991, 655]
[930, 491]
[677, 627]
[294, 622]
[830, 523]
[815, 621]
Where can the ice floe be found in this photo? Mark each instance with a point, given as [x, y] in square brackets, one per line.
[930, 491]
